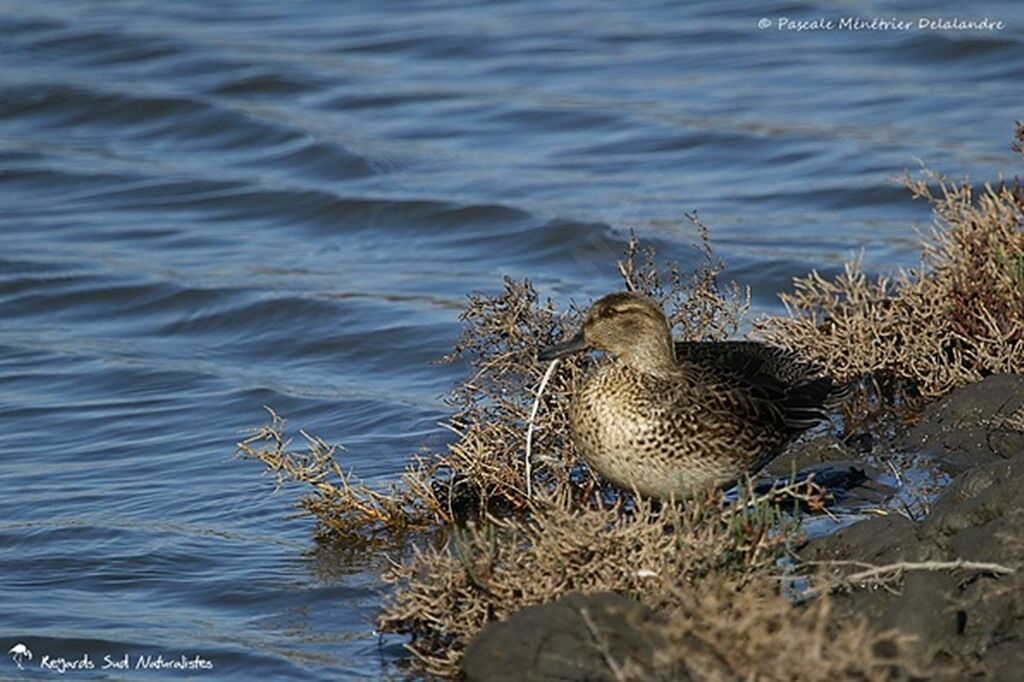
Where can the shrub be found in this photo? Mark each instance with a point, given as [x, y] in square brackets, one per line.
[955, 319]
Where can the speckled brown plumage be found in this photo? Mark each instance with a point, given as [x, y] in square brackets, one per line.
[666, 417]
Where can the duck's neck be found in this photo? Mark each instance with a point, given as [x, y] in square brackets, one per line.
[653, 354]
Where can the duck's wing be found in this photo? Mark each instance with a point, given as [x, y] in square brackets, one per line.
[799, 390]
[748, 360]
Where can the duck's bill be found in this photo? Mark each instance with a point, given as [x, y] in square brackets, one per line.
[573, 345]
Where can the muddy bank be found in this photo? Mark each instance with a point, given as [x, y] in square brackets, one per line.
[977, 424]
[949, 623]
[971, 619]
[571, 638]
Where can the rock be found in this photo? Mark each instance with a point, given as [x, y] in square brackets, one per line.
[960, 617]
[557, 641]
[980, 511]
[806, 454]
[973, 424]
[990, 613]
[925, 609]
[883, 540]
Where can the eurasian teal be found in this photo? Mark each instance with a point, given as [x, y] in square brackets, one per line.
[665, 417]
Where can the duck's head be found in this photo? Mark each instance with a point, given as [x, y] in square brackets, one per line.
[631, 326]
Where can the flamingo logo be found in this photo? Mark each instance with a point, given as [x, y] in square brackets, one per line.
[19, 652]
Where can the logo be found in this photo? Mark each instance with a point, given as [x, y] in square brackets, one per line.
[19, 652]
[161, 661]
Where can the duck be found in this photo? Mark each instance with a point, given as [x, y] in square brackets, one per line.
[667, 418]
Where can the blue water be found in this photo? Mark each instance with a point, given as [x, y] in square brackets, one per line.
[211, 206]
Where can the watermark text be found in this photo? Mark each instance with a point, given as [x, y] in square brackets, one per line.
[869, 24]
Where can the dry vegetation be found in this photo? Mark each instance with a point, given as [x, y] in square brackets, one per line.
[955, 319]
[445, 595]
[341, 506]
[958, 317]
[725, 632]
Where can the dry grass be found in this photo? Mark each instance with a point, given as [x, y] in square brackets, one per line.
[700, 307]
[488, 570]
[727, 631]
[955, 319]
[839, 576]
[343, 507]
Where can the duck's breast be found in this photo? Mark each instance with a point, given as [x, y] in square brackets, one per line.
[637, 431]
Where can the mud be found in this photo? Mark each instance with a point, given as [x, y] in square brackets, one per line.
[556, 641]
[973, 425]
[971, 621]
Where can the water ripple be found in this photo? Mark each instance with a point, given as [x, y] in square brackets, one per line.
[209, 207]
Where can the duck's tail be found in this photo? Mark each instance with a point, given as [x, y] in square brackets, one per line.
[808, 402]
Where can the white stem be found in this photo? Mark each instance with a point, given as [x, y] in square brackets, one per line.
[529, 427]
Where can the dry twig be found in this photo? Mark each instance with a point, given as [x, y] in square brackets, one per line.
[889, 575]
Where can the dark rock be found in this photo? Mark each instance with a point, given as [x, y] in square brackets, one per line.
[1003, 662]
[883, 540]
[573, 638]
[980, 511]
[863, 443]
[963, 617]
[926, 609]
[992, 614]
[968, 426]
[811, 453]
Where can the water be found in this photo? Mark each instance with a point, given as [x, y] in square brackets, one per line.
[208, 207]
